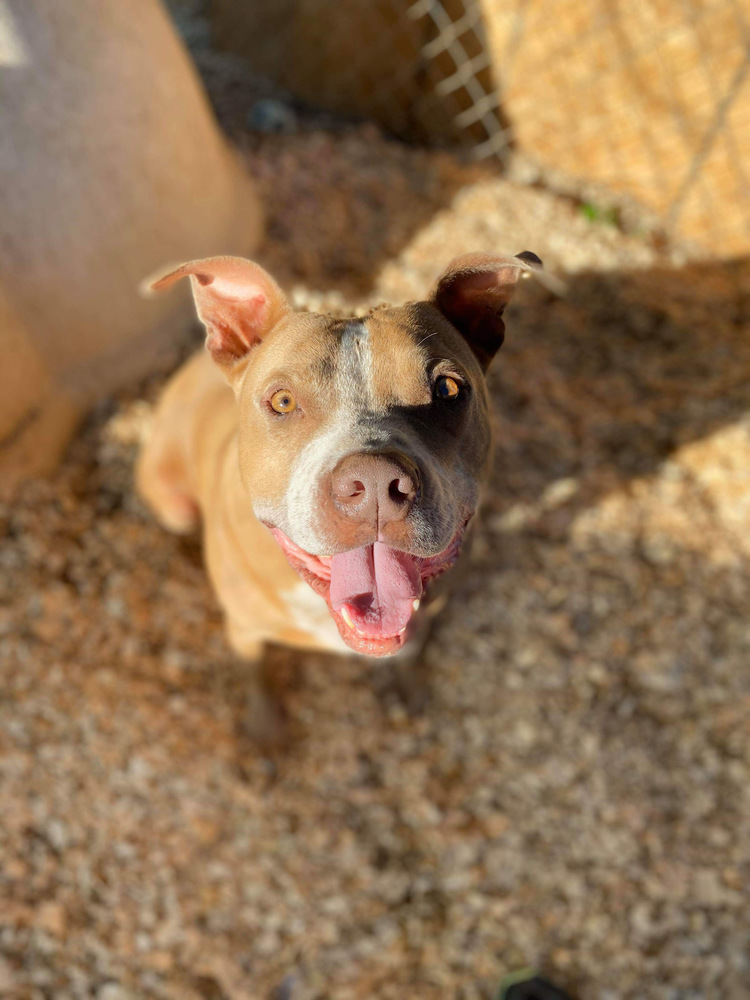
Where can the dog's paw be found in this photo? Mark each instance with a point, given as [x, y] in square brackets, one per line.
[265, 723]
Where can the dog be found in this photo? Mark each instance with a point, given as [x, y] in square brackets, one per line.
[335, 463]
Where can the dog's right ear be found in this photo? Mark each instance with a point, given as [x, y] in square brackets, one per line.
[236, 300]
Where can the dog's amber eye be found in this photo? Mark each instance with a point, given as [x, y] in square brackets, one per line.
[446, 387]
[283, 401]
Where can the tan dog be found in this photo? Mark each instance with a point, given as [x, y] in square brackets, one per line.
[335, 463]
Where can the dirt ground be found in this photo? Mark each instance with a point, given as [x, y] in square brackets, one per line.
[575, 796]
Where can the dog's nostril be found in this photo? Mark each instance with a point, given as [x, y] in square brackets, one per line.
[350, 491]
[400, 490]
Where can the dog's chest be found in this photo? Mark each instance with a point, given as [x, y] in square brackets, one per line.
[308, 613]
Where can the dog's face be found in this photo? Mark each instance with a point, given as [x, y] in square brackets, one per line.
[362, 441]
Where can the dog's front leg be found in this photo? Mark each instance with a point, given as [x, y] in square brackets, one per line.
[264, 718]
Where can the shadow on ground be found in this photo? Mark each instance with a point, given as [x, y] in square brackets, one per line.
[607, 382]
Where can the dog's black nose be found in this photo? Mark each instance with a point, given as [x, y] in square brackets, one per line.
[376, 488]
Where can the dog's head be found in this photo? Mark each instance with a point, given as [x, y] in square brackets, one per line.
[362, 442]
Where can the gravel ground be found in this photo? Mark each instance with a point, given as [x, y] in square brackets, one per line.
[575, 795]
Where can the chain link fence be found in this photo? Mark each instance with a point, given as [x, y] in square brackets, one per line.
[625, 103]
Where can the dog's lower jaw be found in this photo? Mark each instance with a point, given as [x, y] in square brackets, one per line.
[351, 623]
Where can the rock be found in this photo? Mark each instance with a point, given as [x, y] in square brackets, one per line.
[114, 991]
[271, 115]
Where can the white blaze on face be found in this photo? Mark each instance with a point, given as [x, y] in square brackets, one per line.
[354, 371]
[354, 395]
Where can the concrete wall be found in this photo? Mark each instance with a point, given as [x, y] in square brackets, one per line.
[112, 166]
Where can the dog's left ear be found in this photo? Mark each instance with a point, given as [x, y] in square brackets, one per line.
[473, 292]
[236, 300]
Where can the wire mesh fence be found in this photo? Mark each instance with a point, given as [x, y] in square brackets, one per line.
[648, 100]
[422, 69]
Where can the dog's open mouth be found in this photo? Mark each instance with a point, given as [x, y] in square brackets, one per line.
[372, 592]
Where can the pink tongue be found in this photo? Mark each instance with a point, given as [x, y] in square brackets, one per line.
[378, 584]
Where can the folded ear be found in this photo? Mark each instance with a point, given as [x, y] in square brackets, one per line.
[473, 292]
[236, 300]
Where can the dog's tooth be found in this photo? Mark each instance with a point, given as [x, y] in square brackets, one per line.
[415, 605]
[347, 617]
